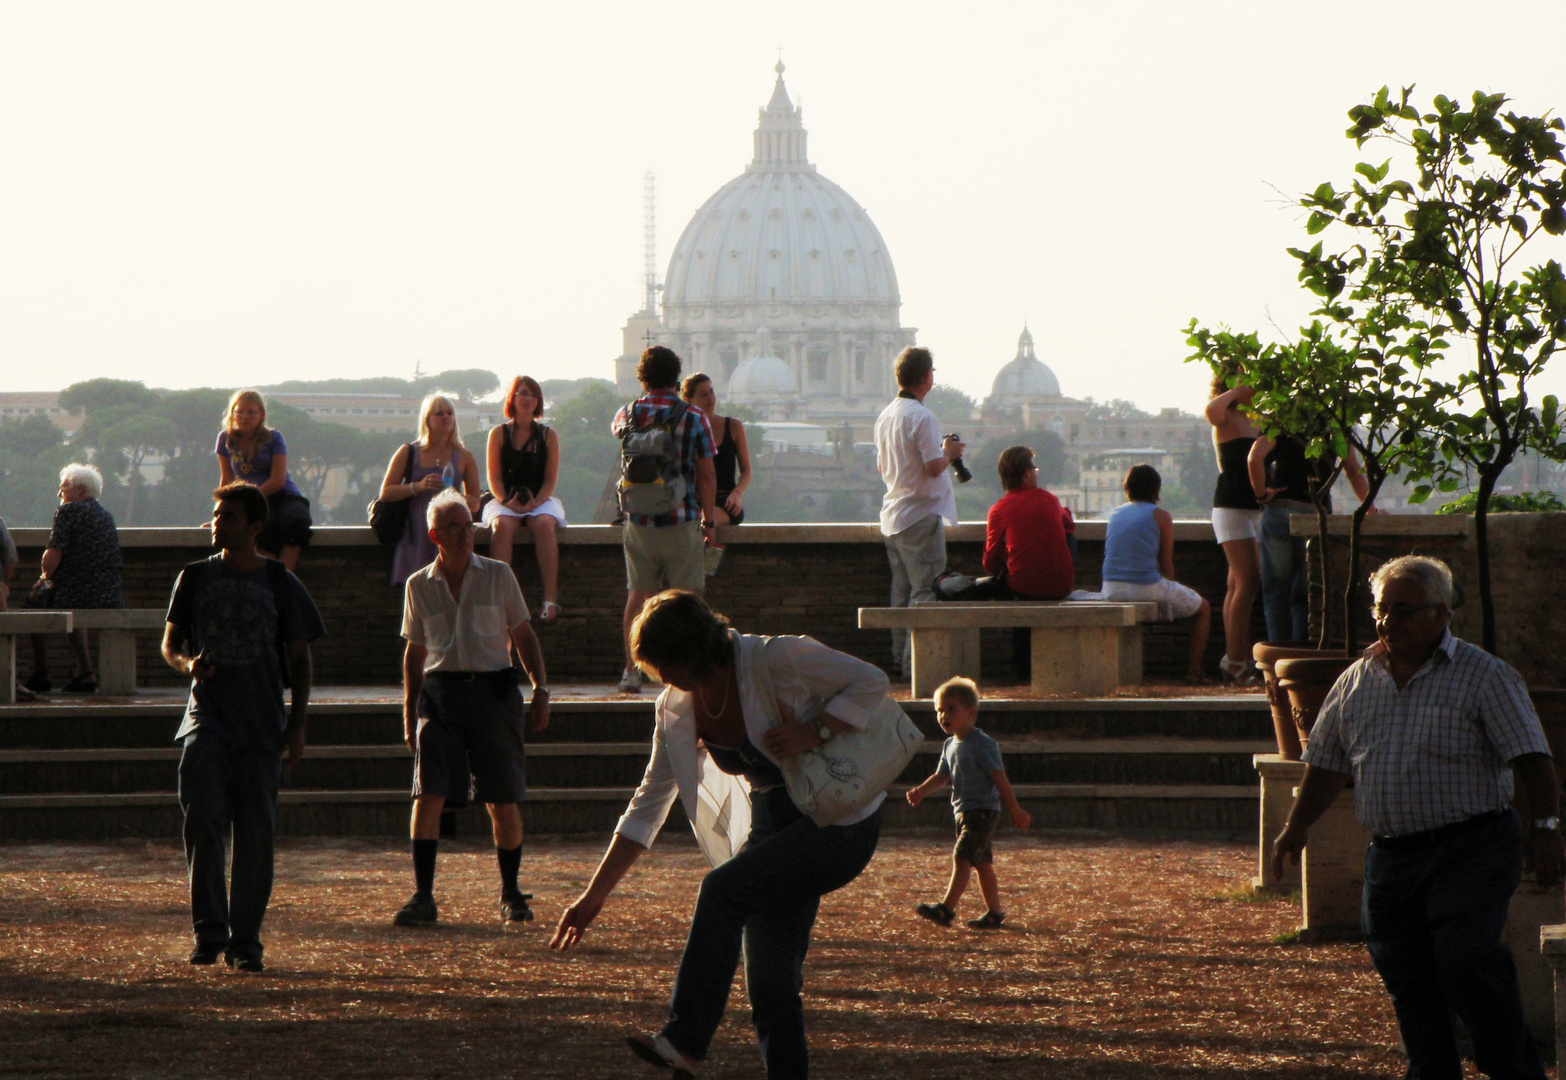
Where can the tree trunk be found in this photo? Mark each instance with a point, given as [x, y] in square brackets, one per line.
[1487, 480]
[1351, 586]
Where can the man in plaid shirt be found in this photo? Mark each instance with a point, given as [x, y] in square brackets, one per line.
[1432, 729]
[665, 551]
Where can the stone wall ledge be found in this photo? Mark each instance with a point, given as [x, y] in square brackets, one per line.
[848, 533]
[1384, 525]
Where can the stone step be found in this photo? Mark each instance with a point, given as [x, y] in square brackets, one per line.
[1227, 810]
[96, 725]
[593, 765]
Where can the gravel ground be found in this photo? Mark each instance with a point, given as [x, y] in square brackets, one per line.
[1120, 958]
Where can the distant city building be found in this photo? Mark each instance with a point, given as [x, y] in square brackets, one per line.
[781, 289]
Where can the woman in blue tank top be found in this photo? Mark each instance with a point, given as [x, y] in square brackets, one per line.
[1139, 562]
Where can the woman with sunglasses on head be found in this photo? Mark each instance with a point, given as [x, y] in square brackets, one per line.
[440, 457]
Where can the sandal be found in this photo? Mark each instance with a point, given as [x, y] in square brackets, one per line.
[656, 1050]
[990, 920]
[1237, 672]
[548, 612]
[937, 913]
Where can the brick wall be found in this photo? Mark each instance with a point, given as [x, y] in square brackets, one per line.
[780, 579]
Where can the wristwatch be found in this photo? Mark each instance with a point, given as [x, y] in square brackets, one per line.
[825, 731]
[1548, 824]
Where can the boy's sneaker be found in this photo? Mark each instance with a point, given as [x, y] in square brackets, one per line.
[631, 681]
[990, 920]
[418, 911]
[513, 907]
[937, 913]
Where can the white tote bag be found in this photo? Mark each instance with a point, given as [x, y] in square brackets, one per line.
[833, 780]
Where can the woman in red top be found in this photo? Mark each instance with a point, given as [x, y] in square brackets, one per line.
[1025, 549]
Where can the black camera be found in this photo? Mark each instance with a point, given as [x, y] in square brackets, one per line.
[958, 468]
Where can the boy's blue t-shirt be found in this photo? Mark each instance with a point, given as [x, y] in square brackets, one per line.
[969, 763]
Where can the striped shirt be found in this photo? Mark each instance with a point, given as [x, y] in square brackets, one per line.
[1435, 752]
[693, 434]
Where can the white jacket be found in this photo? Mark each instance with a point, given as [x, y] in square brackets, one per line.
[808, 677]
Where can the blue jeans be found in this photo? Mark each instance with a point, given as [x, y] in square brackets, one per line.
[766, 897]
[1433, 919]
[918, 556]
[1284, 573]
[221, 786]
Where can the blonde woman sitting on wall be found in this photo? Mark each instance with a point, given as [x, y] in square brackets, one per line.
[442, 461]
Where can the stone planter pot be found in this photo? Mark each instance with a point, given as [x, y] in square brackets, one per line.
[1267, 654]
[1306, 680]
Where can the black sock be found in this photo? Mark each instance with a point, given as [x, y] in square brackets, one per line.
[424, 866]
[510, 860]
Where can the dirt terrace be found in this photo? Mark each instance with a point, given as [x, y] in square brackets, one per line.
[1120, 958]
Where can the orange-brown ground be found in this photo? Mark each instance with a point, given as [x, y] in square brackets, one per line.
[1120, 958]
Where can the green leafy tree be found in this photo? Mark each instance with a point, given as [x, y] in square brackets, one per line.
[123, 427]
[32, 453]
[1438, 256]
[1115, 409]
[951, 406]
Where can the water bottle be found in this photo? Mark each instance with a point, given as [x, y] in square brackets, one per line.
[961, 470]
[448, 475]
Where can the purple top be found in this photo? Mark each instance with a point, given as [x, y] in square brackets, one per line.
[257, 467]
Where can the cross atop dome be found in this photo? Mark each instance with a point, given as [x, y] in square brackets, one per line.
[780, 134]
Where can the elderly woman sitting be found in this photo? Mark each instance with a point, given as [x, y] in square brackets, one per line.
[81, 569]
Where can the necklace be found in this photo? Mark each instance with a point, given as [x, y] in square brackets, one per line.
[724, 704]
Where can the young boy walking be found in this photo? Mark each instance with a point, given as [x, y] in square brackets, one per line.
[971, 764]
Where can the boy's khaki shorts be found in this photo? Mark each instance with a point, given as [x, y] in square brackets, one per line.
[659, 557]
[975, 831]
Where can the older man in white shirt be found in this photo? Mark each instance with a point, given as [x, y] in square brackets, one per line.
[462, 709]
[913, 457]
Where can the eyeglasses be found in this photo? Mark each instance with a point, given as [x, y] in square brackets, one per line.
[1400, 612]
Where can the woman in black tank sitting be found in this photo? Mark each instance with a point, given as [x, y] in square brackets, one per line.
[523, 462]
[732, 461]
[1236, 522]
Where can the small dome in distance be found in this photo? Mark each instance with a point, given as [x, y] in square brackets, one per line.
[1026, 376]
[762, 375]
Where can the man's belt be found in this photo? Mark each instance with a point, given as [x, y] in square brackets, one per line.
[1440, 835]
[498, 675]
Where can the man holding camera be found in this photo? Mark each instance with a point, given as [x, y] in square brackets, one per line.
[913, 457]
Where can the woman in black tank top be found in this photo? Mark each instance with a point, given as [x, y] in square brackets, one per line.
[732, 461]
[1236, 516]
[523, 463]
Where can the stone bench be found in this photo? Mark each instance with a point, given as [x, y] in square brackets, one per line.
[117, 642]
[16, 623]
[1081, 647]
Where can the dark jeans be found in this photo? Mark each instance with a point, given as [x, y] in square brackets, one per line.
[766, 896]
[222, 786]
[1433, 919]
[1284, 573]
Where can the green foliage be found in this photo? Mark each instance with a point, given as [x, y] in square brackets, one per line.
[468, 383]
[1523, 502]
[1437, 259]
[559, 391]
[32, 453]
[951, 406]
[1115, 409]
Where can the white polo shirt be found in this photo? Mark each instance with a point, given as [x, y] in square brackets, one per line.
[466, 633]
[906, 436]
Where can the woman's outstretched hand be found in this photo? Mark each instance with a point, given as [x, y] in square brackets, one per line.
[574, 922]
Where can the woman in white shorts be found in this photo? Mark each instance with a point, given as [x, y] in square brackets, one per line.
[1236, 523]
[523, 460]
[1139, 562]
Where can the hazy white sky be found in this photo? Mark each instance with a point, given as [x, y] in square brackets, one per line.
[220, 193]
